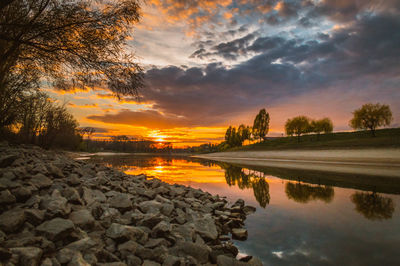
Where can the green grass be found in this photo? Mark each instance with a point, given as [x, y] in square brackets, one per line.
[344, 140]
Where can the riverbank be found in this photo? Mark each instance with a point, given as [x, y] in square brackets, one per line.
[56, 210]
[379, 161]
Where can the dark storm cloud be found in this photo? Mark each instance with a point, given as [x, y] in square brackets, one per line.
[360, 54]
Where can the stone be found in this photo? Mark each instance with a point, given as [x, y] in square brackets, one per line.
[121, 232]
[12, 220]
[121, 201]
[28, 255]
[5, 254]
[91, 196]
[82, 218]
[199, 252]
[155, 254]
[73, 180]
[239, 233]
[223, 260]
[151, 206]
[150, 263]
[57, 205]
[155, 242]
[162, 229]
[34, 216]
[72, 195]
[77, 260]
[65, 255]
[127, 248]
[6, 197]
[166, 209]
[132, 260]
[7, 160]
[173, 261]
[249, 209]
[56, 229]
[82, 244]
[22, 194]
[54, 171]
[206, 227]
[41, 181]
[150, 220]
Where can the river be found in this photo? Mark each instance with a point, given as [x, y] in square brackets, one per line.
[302, 217]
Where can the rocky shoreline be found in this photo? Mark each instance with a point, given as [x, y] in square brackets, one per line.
[58, 211]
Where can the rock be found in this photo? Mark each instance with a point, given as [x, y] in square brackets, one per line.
[41, 181]
[82, 244]
[162, 229]
[122, 233]
[249, 209]
[167, 208]
[77, 260]
[223, 260]
[132, 260]
[34, 216]
[56, 229]
[150, 206]
[239, 203]
[72, 195]
[150, 263]
[199, 252]
[155, 254]
[22, 194]
[254, 261]
[239, 233]
[82, 218]
[65, 255]
[6, 197]
[173, 261]
[57, 205]
[206, 228]
[121, 201]
[155, 242]
[150, 220]
[127, 248]
[28, 255]
[12, 220]
[91, 196]
[7, 160]
[73, 180]
[5, 254]
[54, 171]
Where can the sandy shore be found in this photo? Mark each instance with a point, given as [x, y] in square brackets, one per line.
[379, 162]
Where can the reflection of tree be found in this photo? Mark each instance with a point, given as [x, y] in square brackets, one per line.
[304, 193]
[236, 176]
[261, 191]
[373, 206]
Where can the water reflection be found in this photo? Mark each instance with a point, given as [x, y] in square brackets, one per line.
[303, 193]
[245, 178]
[373, 206]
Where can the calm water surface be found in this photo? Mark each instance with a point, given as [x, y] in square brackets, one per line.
[296, 223]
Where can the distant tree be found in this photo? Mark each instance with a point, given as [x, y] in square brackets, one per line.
[297, 126]
[88, 131]
[244, 133]
[261, 124]
[371, 116]
[323, 125]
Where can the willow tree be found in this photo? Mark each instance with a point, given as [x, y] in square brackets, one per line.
[297, 126]
[261, 124]
[69, 44]
[371, 116]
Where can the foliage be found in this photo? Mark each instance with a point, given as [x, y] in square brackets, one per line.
[323, 125]
[297, 126]
[371, 116]
[72, 43]
[235, 138]
[261, 124]
[304, 193]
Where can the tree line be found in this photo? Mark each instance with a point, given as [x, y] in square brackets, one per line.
[368, 117]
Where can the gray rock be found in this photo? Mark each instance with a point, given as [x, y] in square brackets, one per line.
[73, 180]
[155, 242]
[28, 255]
[56, 229]
[167, 209]
[72, 195]
[122, 233]
[162, 229]
[77, 260]
[57, 205]
[6, 197]
[249, 209]
[150, 263]
[150, 220]
[82, 244]
[155, 254]
[128, 248]
[91, 196]
[132, 260]
[7, 160]
[239, 233]
[82, 218]
[34, 216]
[173, 261]
[223, 260]
[54, 171]
[150, 206]
[199, 252]
[206, 227]
[121, 201]
[22, 193]
[12, 220]
[41, 181]
[65, 255]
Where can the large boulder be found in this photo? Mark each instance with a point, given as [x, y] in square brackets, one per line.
[12, 220]
[197, 251]
[206, 228]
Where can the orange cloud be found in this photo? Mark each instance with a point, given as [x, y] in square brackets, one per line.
[92, 105]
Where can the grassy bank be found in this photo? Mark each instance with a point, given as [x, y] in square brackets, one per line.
[344, 140]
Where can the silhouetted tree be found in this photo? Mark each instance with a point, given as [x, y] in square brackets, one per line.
[373, 206]
[261, 124]
[88, 131]
[297, 126]
[323, 125]
[261, 191]
[371, 116]
[244, 133]
[72, 43]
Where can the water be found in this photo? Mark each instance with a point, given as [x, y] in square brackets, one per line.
[301, 218]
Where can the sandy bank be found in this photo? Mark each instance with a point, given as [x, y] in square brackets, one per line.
[378, 162]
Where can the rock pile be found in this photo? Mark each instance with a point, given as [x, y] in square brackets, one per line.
[58, 211]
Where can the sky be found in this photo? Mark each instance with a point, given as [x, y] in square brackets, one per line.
[214, 63]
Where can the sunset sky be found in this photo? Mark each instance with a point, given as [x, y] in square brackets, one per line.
[214, 63]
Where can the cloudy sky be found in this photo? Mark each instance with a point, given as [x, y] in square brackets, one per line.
[214, 63]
